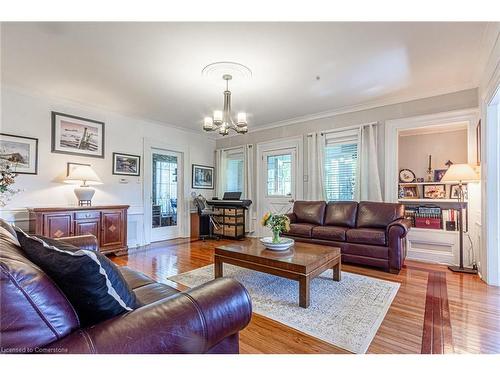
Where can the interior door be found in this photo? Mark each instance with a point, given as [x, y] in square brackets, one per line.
[278, 181]
[166, 166]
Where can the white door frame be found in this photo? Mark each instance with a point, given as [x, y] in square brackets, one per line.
[392, 128]
[285, 143]
[183, 184]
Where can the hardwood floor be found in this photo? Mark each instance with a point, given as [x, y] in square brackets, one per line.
[435, 310]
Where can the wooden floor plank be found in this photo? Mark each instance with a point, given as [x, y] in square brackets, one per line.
[473, 307]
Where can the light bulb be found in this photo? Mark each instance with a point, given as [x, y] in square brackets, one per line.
[208, 124]
[242, 118]
[217, 117]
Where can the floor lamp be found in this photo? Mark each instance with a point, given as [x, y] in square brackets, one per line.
[461, 173]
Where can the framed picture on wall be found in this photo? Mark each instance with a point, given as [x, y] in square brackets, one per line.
[202, 177]
[410, 192]
[21, 153]
[77, 135]
[435, 191]
[126, 165]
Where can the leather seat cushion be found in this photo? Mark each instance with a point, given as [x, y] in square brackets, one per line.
[311, 212]
[341, 214]
[378, 214]
[372, 236]
[301, 229]
[135, 279]
[329, 233]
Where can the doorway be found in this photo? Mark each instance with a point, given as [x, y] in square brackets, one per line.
[280, 178]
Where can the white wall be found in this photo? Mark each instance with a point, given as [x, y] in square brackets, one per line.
[29, 114]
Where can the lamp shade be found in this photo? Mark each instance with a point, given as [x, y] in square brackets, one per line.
[460, 172]
[83, 174]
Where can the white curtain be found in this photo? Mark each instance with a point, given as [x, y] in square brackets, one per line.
[249, 191]
[219, 173]
[315, 153]
[369, 178]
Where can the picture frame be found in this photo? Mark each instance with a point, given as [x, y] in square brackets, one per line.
[406, 175]
[454, 191]
[437, 191]
[75, 135]
[410, 192]
[71, 165]
[438, 174]
[20, 152]
[126, 164]
[202, 177]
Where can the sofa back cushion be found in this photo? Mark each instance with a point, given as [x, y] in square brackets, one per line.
[378, 214]
[34, 310]
[342, 214]
[91, 282]
[311, 212]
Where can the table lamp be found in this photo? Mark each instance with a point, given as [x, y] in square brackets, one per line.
[461, 173]
[84, 175]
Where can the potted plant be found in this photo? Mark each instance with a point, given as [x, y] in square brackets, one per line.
[278, 223]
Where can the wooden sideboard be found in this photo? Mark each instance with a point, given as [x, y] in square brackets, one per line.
[107, 223]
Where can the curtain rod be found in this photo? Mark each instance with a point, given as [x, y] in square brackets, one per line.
[323, 132]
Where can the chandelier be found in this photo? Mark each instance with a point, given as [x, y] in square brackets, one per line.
[223, 120]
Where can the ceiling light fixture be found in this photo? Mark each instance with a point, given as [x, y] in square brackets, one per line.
[223, 120]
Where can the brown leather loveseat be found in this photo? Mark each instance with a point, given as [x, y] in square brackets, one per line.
[36, 316]
[368, 233]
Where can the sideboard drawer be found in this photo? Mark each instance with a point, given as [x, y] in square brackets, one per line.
[83, 215]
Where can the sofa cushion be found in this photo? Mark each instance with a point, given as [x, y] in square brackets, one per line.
[341, 214]
[311, 212]
[91, 282]
[34, 311]
[377, 214]
[329, 233]
[300, 229]
[372, 236]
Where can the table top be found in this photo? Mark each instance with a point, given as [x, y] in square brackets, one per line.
[301, 257]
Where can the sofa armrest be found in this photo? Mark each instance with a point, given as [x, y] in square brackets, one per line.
[190, 322]
[292, 217]
[86, 242]
[402, 225]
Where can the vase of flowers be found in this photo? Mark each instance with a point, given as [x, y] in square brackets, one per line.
[7, 178]
[278, 223]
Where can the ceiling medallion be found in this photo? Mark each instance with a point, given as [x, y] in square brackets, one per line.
[222, 121]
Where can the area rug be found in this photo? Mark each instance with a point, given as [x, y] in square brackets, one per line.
[346, 314]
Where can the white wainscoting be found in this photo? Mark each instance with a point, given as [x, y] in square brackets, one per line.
[434, 246]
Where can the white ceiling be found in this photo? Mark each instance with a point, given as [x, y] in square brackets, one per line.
[153, 70]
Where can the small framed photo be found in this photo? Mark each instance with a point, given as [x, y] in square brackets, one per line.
[202, 177]
[126, 164]
[77, 135]
[435, 191]
[438, 174]
[454, 191]
[410, 192]
[21, 153]
[70, 166]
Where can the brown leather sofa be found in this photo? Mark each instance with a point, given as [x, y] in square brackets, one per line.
[368, 233]
[36, 317]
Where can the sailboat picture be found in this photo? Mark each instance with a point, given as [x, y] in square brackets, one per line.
[77, 135]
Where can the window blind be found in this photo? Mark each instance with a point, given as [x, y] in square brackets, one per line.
[341, 165]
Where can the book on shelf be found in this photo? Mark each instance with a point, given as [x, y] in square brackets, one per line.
[434, 217]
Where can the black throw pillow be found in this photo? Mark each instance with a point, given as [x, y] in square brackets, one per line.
[91, 282]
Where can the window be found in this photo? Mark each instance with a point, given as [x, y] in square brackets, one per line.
[279, 175]
[341, 166]
[234, 176]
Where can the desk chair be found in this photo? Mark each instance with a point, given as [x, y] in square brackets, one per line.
[206, 212]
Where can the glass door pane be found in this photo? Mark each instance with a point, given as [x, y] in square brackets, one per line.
[279, 175]
[164, 194]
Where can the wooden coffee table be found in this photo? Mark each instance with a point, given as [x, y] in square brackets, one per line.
[302, 262]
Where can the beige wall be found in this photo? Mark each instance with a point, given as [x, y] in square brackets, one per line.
[414, 150]
[442, 103]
